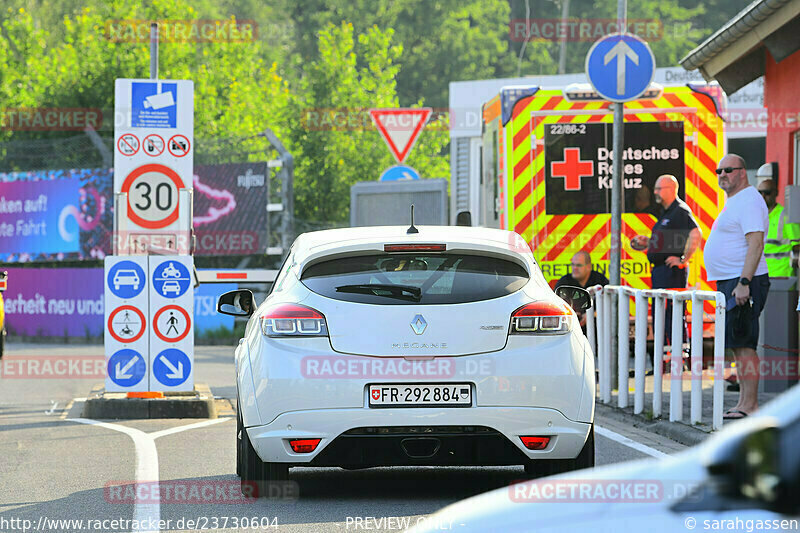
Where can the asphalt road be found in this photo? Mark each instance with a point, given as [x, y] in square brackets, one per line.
[54, 467]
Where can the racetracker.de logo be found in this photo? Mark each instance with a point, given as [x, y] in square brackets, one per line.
[183, 31]
[53, 367]
[51, 119]
[203, 492]
[581, 30]
[602, 491]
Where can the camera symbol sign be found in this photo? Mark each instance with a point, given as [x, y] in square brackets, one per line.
[179, 145]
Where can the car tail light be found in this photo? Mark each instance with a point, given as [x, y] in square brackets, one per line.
[304, 445]
[541, 318]
[292, 320]
[414, 247]
[535, 443]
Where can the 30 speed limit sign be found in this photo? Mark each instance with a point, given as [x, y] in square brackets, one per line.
[153, 195]
[155, 156]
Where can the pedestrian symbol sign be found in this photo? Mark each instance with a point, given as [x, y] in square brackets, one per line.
[171, 279]
[126, 368]
[171, 367]
[172, 323]
[126, 280]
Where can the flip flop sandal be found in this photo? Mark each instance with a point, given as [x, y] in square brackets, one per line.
[729, 412]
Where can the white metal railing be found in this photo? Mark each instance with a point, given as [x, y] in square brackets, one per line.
[600, 335]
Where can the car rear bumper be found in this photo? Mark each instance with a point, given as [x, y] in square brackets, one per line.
[404, 436]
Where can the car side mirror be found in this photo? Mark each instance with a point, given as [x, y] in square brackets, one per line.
[757, 471]
[236, 303]
[579, 299]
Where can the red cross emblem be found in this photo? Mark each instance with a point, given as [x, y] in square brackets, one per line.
[572, 169]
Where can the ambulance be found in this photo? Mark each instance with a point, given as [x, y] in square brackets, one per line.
[547, 170]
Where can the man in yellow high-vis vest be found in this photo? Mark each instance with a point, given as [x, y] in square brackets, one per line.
[782, 237]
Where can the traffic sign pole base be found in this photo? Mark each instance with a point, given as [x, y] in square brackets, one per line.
[147, 405]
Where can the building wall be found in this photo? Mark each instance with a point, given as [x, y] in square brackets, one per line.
[781, 99]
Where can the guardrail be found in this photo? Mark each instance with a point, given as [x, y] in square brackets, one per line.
[600, 335]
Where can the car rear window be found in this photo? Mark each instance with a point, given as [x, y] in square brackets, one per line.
[414, 279]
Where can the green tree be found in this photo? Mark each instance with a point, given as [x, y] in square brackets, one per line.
[336, 144]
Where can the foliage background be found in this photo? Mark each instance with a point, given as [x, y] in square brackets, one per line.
[309, 55]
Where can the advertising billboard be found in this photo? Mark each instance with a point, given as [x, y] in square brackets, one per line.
[68, 214]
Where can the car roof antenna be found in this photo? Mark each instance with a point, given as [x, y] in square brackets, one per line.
[412, 229]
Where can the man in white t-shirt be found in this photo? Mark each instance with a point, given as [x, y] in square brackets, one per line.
[734, 257]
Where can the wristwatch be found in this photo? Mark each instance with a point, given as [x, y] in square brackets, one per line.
[744, 281]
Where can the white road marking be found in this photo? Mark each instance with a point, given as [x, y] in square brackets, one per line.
[147, 461]
[146, 468]
[178, 429]
[638, 446]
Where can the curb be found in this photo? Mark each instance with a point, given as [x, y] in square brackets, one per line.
[115, 405]
[677, 431]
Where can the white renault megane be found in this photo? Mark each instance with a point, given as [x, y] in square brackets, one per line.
[385, 346]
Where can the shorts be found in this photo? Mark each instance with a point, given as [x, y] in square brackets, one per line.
[759, 288]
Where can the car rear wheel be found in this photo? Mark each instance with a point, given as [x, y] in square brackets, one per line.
[585, 459]
[254, 473]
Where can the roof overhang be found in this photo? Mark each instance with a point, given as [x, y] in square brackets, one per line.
[735, 54]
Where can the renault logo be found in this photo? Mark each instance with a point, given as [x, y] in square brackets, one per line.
[419, 325]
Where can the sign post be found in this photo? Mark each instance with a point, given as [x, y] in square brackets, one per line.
[620, 67]
[149, 338]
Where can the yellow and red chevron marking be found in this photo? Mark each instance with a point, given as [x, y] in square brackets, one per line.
[555, 238]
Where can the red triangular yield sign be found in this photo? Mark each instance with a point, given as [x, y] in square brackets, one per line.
[400, 128]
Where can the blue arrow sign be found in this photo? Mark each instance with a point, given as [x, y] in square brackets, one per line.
[620, 67]
[171, 279]
[126, 367]
[126, 279]
[399, 172]
[172, 367]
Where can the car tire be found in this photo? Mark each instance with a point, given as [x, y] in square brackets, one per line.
[254, 473]
[585, 459]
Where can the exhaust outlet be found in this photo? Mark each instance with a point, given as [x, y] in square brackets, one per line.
[420, 447]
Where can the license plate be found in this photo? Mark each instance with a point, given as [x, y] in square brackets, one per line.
[413, 395]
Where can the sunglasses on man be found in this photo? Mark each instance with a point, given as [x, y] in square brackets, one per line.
[727, 170]
[767, 192]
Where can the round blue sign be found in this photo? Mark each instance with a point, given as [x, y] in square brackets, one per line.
[620, 67]
[171, 279]
[172, 367]
[126, 279]
[398, 173]
[126, 367]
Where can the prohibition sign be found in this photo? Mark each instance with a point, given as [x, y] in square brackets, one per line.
[116, 312]
[180, 335]
[126, 187]
[179, 145]
[128, 144]
[153, 145]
